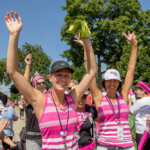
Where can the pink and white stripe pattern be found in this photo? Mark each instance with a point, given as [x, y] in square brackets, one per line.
[50, 125]
[108, 126]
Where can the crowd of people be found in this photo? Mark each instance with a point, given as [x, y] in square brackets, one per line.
[63, 117]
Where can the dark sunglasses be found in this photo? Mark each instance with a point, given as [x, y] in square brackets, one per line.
[39, 83]
[84, 96]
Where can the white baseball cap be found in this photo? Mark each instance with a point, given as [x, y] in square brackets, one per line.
[112, 74]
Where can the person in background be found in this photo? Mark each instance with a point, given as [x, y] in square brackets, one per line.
[71, 85]
[86, 115]
[89, 98]
[21, 105]
[141, 110]
[33, 135]
[11, 116]
[139, 92]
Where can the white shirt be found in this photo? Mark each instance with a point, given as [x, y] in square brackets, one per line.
[141, 109]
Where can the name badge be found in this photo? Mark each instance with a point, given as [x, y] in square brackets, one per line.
[120, 133]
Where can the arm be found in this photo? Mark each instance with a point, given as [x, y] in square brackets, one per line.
[91, 71]
[15, 119]
[34, 97]
[131, 66]
[7, 140]
[28, 65]
[129, 102]
[96, 93]
[135, 108]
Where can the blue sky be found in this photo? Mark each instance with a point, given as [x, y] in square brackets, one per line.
[42, 22]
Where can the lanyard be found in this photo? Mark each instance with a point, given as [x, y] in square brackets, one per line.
[62, 132]
[112, 107]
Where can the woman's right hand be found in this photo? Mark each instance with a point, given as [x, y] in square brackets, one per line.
[27, 60]
[130, 37]
[14, 25]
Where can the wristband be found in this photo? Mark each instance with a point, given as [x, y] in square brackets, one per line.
[27, 71]
[85, 59]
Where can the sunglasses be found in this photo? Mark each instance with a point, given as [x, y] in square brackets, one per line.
[84, 96]
[39, 83]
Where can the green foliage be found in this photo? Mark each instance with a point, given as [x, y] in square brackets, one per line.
[13, 89]
[14, 97]
[40, 63]
[4, 78]
[79, 72]
[107, 19]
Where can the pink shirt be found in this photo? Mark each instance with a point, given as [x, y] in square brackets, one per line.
[50, 126]
[108, 126]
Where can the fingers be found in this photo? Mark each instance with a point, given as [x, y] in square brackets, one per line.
[128, 33]
[16, 16]
[10, 17]
[124, 34]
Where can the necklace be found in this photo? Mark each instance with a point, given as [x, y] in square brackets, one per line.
[112, 107]
[62, 132]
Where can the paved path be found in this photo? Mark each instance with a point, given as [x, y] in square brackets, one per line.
[17, 126]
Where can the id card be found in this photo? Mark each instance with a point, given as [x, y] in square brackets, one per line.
[120, 133]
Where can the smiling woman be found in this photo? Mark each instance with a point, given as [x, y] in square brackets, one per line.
[112, 108]
[55, 111]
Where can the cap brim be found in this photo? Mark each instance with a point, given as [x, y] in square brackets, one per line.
[70, 69]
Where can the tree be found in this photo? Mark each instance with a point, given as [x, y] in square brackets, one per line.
[107, 20]
[40, 63]
[79, 72]
[4, 78]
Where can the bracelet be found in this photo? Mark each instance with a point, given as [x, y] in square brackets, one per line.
[27, 71]
[85, 59]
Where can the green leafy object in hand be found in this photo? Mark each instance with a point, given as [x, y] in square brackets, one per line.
[81, 27]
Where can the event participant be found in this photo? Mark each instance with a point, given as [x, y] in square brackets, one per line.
[72, 84]
[113, 109]
[139, 92]
[11, 116]
[86, 115]
[56, 111]
[21, 105]
[141, 110]
[33, 135]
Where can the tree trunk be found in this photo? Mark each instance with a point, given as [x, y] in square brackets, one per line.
[99, 73]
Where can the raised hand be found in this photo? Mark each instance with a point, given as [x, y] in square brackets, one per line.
[78, 40]
[28, 59]
[14, 25]
[130, 37]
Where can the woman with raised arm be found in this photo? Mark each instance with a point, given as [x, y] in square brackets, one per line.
[113, 109]
[33, 135]
[56, 112]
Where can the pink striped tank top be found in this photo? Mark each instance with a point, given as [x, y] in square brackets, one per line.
[50, 126]
[108, 126]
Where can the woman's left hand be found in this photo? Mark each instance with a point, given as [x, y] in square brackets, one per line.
[78, 40]
[130, 37]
